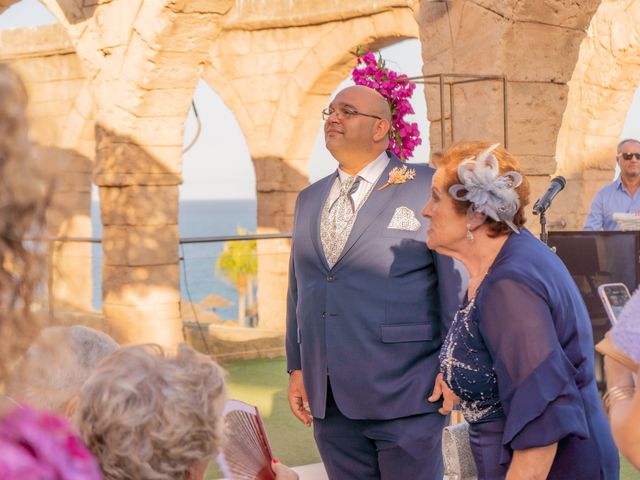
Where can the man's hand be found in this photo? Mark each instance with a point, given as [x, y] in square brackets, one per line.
[298, 398]
[440, 389]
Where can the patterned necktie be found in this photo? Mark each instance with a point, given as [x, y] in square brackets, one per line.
[338, 220]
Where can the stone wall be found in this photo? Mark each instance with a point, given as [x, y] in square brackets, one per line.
[60, 114]
[535, 45]
[111, 87]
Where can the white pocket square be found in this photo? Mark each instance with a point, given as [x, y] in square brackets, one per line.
[404, 219]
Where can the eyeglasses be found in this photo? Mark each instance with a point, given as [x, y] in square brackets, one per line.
[629, 156]
[345, 112]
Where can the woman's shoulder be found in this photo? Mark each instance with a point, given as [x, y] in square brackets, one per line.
[527, 261]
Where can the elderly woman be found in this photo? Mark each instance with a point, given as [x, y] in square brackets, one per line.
[147, 415]
[519, 353]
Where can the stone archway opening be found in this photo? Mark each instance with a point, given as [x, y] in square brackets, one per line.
[405, 57]
[217, 198]
[25, 14]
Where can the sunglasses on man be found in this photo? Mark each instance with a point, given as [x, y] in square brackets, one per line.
[629, 156]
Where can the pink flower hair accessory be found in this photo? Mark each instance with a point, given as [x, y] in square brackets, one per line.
[43, 446]
[404, 137]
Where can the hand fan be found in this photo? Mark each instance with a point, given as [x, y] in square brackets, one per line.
[246, 455]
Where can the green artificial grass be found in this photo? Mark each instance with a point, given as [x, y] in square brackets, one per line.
[264, 383]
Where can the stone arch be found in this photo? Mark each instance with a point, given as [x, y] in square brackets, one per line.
[600, 91]
[5, 4]
[535, 45]
[321, 71]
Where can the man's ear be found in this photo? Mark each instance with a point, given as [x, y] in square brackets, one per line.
[382, 129]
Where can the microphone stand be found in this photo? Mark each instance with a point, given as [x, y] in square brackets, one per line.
[544, 236]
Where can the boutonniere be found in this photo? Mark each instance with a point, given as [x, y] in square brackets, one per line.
[399, 175]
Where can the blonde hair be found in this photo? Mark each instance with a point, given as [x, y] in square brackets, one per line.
[23, 199]
[54, 367]
[150, 416]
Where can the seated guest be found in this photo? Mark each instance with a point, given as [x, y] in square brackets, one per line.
[42, 446]
[622, 397]
[54, 367]
[147, 415]
[519, 352]
[622, 194]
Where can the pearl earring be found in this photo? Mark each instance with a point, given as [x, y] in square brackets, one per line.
[469, 233]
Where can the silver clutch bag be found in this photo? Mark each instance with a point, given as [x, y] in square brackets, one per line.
[456, 452]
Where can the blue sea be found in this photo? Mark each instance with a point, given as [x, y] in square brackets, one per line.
[197, 218]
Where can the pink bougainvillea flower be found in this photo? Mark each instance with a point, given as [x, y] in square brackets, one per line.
[372, 73]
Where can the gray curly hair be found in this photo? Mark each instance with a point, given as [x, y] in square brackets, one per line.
[151, 416]
[24, 196]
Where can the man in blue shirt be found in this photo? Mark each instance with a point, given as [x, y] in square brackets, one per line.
[622, 194]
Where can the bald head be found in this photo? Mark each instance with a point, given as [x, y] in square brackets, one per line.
[358, 129]
[378, 103]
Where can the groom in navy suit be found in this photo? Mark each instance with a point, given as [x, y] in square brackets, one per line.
[368, 304]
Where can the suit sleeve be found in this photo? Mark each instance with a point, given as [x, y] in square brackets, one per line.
[452, 284]
[291, 341]
[595, 219]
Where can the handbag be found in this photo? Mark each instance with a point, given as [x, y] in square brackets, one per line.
[456, 452]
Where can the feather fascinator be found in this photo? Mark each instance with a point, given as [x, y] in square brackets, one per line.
[489, 193]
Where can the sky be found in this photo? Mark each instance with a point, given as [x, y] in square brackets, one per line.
[207, 170]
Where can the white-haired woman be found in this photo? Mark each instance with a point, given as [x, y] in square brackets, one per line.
[147, 415]
[519, 352]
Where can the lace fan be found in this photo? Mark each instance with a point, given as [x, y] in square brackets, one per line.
[246, 454]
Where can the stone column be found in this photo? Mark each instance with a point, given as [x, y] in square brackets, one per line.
[278, 184]
[139, 202]
[534, 46]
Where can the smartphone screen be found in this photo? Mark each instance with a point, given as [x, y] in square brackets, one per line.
[614, 296]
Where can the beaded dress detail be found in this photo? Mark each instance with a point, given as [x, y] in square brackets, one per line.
[466, 366]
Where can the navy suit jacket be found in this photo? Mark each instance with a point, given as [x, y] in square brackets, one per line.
[375, 321]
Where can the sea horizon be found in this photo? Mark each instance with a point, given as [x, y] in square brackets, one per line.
[196, 218]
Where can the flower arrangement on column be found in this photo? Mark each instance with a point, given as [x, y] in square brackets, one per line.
[404, 137]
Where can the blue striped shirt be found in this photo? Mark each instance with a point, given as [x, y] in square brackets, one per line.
[610, 199]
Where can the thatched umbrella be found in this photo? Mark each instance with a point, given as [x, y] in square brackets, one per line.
[214, 301]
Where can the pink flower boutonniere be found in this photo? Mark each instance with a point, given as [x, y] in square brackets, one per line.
[399, 175]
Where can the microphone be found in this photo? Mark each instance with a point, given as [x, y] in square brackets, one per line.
[543, 203]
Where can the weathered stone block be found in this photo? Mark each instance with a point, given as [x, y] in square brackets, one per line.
[128, 157]
[139, 205]
[535, 116]
[140, 245]
[159, 324]
[149, 285]
[541, 53]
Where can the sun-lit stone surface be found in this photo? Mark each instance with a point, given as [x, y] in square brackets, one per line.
[111, 86]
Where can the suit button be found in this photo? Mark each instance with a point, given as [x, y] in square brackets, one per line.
[324, 315]
[330, 278]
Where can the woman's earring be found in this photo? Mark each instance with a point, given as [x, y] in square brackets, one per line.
[469, 233]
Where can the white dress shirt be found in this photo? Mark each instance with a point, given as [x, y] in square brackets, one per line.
[369, 177]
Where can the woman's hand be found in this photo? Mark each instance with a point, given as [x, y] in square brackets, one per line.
[282, 472]
[532, 463]
[450, 399]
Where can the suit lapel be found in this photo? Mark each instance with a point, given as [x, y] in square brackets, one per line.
[378, 200]
[316, 218]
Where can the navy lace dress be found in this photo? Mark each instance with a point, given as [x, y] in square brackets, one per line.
[520, 357]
